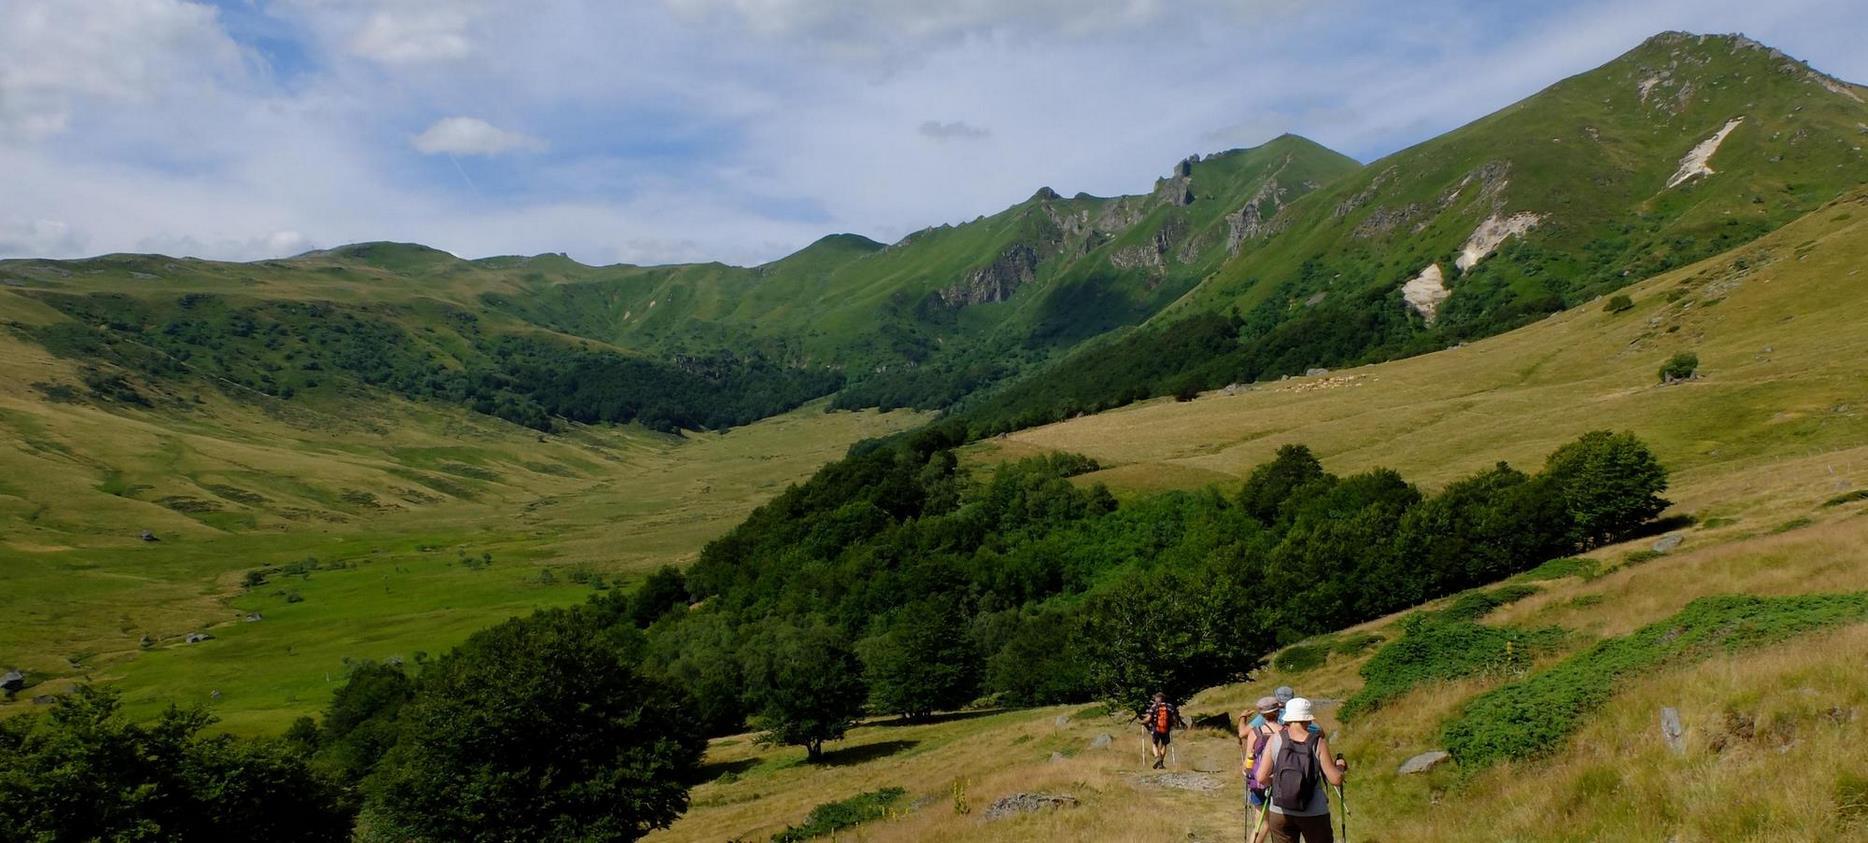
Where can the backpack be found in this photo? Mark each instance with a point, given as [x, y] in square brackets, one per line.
[1294, 774]
[1164, 717]
[1257, 758]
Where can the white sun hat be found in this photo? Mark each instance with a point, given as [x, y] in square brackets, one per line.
[1297, 711]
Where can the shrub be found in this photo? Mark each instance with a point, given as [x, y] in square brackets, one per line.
[1474, 605]
[1532, 718]
[1847, 498]
[1355, 643]
[1637, 557]
[1298, 658]
[1435, 647]
[1680, 367]
[1569, 566]
[1618, 303]
[830, 817]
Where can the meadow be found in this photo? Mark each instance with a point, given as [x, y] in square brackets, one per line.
[384, 528]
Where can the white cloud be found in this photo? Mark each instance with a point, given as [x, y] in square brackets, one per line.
[38, 237]
[415, 34]
[57, 57]
[472, 136]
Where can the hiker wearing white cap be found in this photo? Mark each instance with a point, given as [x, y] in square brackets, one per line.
[1299, 767]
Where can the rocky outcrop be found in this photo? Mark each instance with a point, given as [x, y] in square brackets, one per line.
[1491, 234]
[1154, 254]
[1355, 203]
[1383, 221]
[1697, 161]
[1025, 803]
[996, 281]
[1258, 217]
[1425, 292]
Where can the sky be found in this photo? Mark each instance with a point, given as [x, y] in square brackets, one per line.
[657, 131]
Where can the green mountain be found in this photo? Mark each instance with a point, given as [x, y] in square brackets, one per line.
[1686, 146]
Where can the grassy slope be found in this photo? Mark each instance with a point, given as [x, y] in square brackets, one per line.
[1764, 439]
[1593, 154]
[230, 486]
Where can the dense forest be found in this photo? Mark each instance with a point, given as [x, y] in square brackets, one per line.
[895, 582]
[428, 351]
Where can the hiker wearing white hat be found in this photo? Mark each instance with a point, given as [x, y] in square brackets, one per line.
[1299, 768]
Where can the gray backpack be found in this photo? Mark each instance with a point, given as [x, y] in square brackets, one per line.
[1294, 773]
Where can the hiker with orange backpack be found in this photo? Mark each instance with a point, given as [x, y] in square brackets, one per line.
[1299, 774]
[1160, 719]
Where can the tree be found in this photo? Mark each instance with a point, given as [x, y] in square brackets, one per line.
[80, 772]
[1272, 483]
[360, 723]
[1609, 483]
[803, 683]
[1618, 303]
[662, 591]
[1171, 631]
[1039, 660]
[537, 729]
[922, 661]
[1680, 367]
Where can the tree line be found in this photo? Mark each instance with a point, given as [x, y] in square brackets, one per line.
[892, 583]
[427, 351]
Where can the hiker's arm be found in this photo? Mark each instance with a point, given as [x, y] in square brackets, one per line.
[1331, 772]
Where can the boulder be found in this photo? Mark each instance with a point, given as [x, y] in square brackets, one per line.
[1672, 731]
[1423, 762]
[1102, 741]
[1057, 757]
[1061, 721]
[197, 637]
[1668, 542]
[1316, 372]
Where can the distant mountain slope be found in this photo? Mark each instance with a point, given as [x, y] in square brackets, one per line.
[1685, 146]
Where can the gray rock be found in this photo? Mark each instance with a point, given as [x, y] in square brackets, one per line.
[1057, 757]
[1102, 741]
[197, 637]
[1672, 731]
[1668, 542]
[1316, 372]
[1025, 803]
[1062, 721]
[1423, 762]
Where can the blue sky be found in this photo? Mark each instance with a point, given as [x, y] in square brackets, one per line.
[736, 130]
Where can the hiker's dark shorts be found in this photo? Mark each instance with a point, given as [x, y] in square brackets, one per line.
[1161, 738]
[1287, 829]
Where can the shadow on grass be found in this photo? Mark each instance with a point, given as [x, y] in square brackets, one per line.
[714, 770]
[943, 717]
[866, 752]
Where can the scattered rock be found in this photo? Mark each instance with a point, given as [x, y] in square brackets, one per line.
[1672, 731]
[197, 637]
[1668, 542]
[1102, 741]
[255, 617]
[45, 699]
[1057, 757]
[1198, 782]
[149, 537]
[1061, 721]
[1423, 762]
[1025, 803]
[1316, 372]
[13, 683]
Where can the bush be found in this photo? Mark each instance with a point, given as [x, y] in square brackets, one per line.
[1436, 647]
[1680, 367]
[1569, 566]
[1355, 643]
[1298, 658]
[1644, 555]
[831, 817]
[1474, 605]
[1618, 303]
[1609, 483]
[1531, 718]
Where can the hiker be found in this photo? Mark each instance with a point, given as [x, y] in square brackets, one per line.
[1257, 725]
[1297, 775]
[1160, 718]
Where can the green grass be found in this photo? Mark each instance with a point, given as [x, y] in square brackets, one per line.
[1532, 718]
[1570, 566]
[1442, 647]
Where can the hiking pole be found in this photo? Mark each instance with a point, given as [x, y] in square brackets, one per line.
[1343, 797]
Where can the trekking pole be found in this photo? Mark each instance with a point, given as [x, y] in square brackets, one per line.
[1343, 797]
